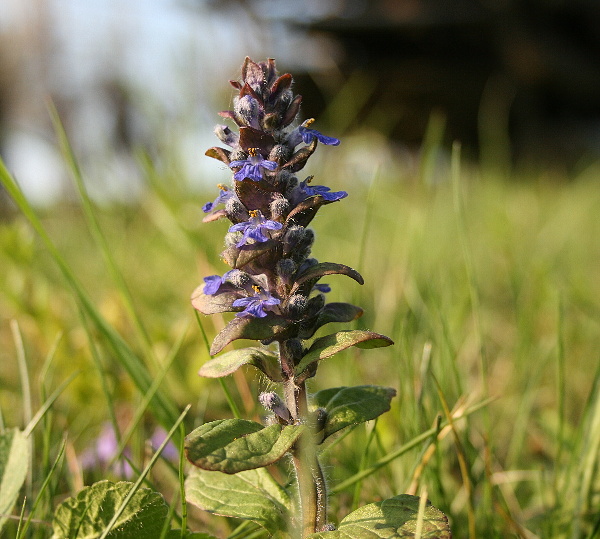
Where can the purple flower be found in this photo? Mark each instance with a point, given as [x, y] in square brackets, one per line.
[324, 288]
[214, 282]
[253, 228]
[309, 134]
[251, 167]
[322, 190]
[104, 451]
[169, 452]
[306, 135]
[224, 196]
[256, 305]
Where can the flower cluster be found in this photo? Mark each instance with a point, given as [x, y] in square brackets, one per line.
[273, 278]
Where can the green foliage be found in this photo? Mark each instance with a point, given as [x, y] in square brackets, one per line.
[229, 362]
[345, 406]
[236, 445]
[399, 516]
[532, 245]
[87, 515]
[14, 463]
[330, 345]
[250, 495]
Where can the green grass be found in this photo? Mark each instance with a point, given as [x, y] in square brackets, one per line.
[488, 287]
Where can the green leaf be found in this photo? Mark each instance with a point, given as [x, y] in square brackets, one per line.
[394, 517]
[312, 274]
[347, 406]
[87, 515]
[258, 329]
[332, 312]
[230, 362]
[14, 462]
[336, 342]
[251, 495]
[235, 445]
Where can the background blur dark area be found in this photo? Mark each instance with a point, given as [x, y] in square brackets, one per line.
[531, 66]
[513, 80]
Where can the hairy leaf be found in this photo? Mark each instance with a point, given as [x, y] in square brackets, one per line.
[212, 304]
[329, 345]
[300, 158]
[230, 362]
[251, 495]
[258, 329]
[347, 406]
[219, 153]
[251, 138]
[235, 445]
[332, 312]
[392, 518]
[312, 274]
[14, 462]
[237, 258]
[305, 211]
[87, 515]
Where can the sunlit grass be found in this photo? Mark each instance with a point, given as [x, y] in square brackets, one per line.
[488, 287]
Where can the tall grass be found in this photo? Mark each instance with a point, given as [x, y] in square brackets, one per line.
[488, 286]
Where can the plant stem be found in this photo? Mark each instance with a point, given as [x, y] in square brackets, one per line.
[311, 482]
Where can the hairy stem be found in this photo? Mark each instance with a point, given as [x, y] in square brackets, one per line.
[311, 482]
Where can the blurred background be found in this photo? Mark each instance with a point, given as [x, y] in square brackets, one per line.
[490, 282]
[516, 81]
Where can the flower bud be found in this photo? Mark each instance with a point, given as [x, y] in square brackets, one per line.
[280, 207]
[292, 237]
[280, 153]
[236, 211]
[286, 182]
[302, 247]
[237, 155]
[239, 279]
[296, 306]
[247, 109]
[226, 135]
[285, 268]
[272, 402]
[231, 238]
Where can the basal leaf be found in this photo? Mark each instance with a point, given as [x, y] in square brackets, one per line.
[258, 329]
[235, 445]
[251, 495]
[87, 515]
[311, 275]
[347, 406]
[14, 462]
[392, 518]
[230, 362]
[329, 345]
[332, 312]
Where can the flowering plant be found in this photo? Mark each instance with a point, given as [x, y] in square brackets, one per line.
[273, 287]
